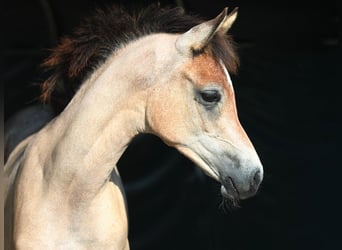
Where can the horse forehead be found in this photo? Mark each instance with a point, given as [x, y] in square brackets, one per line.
[204, 69]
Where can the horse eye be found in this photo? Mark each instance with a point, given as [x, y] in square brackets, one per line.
[210, 96]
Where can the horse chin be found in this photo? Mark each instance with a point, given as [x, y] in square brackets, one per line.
[230, 194]
[230, 199]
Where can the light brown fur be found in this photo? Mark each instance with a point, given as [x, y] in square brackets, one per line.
[63, 190]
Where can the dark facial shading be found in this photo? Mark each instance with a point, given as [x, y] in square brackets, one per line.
[77, 56]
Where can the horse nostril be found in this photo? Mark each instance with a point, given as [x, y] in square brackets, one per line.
[256, 180]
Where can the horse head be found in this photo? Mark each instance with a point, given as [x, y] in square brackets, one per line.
[192, 108]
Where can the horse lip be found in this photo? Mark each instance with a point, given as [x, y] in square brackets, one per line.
[230, 191]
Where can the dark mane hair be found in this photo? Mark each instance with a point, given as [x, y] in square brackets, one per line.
[78, 55]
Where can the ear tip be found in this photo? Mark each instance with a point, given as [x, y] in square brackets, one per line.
[223, 13]
[234, 11]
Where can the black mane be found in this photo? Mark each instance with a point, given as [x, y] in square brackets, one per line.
[78, 55]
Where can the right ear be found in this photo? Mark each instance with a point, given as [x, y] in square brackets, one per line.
[229, 21]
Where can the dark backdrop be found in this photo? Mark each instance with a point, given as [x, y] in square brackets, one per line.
[288, 98]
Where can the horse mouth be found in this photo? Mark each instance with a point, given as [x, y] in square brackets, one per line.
[230, 191]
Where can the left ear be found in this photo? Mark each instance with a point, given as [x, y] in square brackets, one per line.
[198, 37]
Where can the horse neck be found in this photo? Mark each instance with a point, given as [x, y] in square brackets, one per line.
[97, 125]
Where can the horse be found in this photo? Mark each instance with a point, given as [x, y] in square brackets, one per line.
[160, 71]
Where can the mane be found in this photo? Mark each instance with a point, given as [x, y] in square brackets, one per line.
[79, 55]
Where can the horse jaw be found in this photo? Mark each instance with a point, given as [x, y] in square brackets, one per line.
[236, 167]
[199, 161]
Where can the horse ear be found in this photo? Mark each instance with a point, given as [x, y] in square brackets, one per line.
[198, 37]
[228, 21]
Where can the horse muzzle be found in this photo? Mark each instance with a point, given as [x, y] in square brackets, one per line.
[237, 186]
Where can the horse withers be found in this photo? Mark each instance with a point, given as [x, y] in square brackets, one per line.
[161, 72]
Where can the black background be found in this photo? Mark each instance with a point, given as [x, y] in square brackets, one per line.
[288, 97]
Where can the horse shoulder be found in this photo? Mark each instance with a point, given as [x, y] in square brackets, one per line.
[13, 164]
[107, 218]
[102, 223]
[11, 169]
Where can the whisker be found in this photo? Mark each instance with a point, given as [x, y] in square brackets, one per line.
[228, 205]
